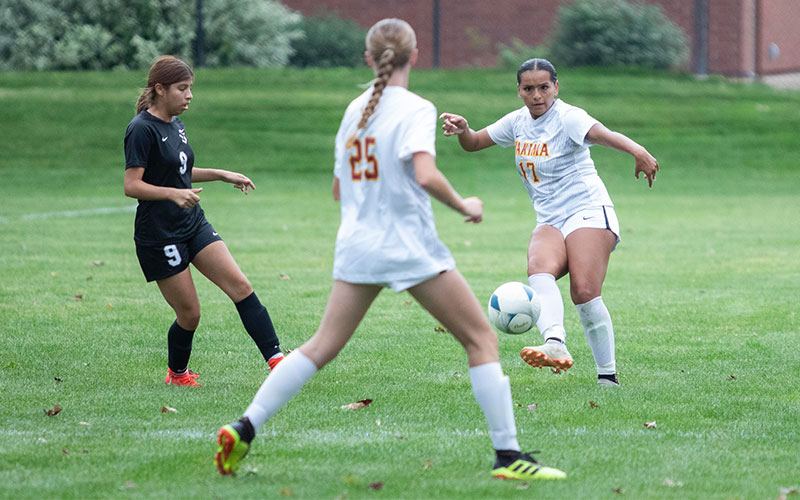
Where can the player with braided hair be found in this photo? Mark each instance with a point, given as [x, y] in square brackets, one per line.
[384, 172]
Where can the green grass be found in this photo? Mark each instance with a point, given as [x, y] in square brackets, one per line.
[703, 292]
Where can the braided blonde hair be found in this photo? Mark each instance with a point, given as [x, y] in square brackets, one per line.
[390, 42]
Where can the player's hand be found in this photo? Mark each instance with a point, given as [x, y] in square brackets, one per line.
[186, 198]
[240, 182]
[473, 209]
[646, 164]
[453, 124]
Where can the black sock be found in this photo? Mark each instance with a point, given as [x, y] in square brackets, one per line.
[179, 347]
[505, 457]
[258, 324]
[245, 429]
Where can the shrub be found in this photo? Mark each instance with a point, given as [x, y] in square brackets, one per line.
[329, 41]
[616, 32]
[105, 34]
[511, 56]
[249, 33]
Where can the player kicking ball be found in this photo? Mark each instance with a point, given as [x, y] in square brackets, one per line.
[384, 171]
[576, 226]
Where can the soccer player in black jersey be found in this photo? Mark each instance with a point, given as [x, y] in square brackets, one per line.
[171, 230]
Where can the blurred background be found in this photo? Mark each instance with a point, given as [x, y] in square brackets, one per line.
[747, 39]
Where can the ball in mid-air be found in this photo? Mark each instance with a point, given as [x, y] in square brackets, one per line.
[514, 308]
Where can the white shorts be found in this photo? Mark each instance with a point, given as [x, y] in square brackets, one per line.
[405, 284]
[596, 217]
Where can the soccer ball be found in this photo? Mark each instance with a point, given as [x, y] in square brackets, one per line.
[514, 308]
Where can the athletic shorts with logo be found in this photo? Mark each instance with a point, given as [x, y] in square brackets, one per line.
[162, 261]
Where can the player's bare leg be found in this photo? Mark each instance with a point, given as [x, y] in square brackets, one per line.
[589, 251]
[179, 292]
[346, 307]
[450, 300]
[217, 264]
[547, 262]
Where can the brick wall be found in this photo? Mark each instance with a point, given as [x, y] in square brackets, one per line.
[470, 30]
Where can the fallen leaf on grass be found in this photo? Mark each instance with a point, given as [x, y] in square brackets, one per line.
[650, 425]
[376, 485]
[407, 303]
[785, 492]
[109, 306]
[128, 485]
[592, 404]
[672, 484]
[357, 405]
[52, 413]
[732, 377]
[427, 465]
[165, 409]
[285, 276]
[286, 491]
[65, 451]
[439, 329]
[57, 379]
[97, 263]
[532, 407]
[618, 491]
[78, 297]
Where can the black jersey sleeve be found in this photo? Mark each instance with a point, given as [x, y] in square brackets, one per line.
[138, 144]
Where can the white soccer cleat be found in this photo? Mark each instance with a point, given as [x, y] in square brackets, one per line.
[552, 354]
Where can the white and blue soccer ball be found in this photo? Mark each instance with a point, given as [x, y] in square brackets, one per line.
[514, 308]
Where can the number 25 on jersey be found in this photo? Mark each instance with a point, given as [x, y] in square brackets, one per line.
[363, 164]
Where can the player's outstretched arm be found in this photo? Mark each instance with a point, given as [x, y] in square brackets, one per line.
[645, 162]
[239, 181]
[467, 138]
[432, 180]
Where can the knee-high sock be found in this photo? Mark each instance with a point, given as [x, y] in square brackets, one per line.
[552, 314]
[179, 347]
[600, 334]
[281, 386]
[258, 324]
[493, 392]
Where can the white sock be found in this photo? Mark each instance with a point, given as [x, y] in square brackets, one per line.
[493, 392]
[281, 385]
[599, 333]
[552, 314]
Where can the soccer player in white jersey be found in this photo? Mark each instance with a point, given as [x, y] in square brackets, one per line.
[384, 171]
[576, 227]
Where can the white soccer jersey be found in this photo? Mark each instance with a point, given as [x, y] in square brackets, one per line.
[387, 232]
[553, 160]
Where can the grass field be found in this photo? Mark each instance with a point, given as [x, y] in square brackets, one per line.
[703, 291]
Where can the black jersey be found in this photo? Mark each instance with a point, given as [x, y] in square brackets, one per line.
[164, 152]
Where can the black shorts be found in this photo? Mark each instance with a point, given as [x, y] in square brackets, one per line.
[162, 261]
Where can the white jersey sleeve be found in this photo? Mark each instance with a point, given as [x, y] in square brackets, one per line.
[577, 123]
[418, 133]
[502, 131]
